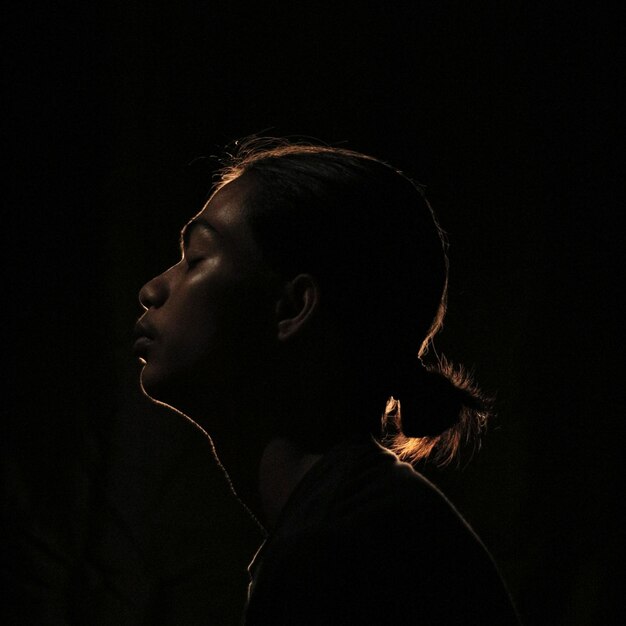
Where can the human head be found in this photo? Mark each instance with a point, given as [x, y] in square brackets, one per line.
[367, 237]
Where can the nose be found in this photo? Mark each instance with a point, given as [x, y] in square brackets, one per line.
[154, 293]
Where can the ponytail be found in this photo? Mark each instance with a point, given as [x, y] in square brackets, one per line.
[435, 410]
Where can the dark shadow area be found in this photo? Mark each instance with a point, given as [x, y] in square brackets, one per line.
[115, 511]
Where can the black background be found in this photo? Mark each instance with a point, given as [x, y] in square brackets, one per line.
[508, 112]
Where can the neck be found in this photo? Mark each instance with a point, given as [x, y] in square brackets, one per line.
[263, 470]
[264, 476]
[283, 465]
[241, 460]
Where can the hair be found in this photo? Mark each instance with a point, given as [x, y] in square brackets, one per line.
[371, 239]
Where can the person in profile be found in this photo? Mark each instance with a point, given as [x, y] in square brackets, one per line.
[294, 331]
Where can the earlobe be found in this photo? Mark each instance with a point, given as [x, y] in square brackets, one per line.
[297, 306]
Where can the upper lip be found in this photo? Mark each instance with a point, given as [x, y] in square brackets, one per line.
[143, 330]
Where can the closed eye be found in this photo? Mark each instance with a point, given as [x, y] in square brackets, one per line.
[193, 239]
[192, 261]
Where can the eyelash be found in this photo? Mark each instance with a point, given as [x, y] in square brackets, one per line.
[191, 263]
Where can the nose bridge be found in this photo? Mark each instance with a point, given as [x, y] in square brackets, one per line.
[156, 291]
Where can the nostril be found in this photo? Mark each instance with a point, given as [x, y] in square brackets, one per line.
[144, 297]
[152, 293]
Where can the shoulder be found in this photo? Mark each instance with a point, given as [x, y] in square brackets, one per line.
[378, 485]
[379, 544]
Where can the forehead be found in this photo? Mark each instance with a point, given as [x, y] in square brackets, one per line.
[226, 213]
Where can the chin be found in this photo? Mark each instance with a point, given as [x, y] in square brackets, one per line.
[167, 391]
[153, 385]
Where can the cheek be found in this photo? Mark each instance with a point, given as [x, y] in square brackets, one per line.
[215, 333]
[196, 331]
[208, 326]
[180, 358]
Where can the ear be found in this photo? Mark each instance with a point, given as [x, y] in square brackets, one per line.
[297, 305]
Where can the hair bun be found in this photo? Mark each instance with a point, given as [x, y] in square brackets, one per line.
[433, 399]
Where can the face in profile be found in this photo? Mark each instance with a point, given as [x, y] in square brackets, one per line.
[207, 321]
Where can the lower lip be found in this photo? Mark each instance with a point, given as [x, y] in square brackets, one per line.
[141, 346]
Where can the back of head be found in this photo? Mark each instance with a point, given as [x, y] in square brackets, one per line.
[370, 238]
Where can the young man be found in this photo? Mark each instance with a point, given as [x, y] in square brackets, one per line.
[309, 287]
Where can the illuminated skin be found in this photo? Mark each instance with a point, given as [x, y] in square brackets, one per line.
[203, 325]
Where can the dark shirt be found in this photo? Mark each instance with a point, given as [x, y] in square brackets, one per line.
[364, 539]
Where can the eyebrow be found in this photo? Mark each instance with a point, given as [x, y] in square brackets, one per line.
[192, 225]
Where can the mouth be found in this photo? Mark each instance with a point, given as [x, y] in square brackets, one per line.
[141, 348]
[144, 338]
